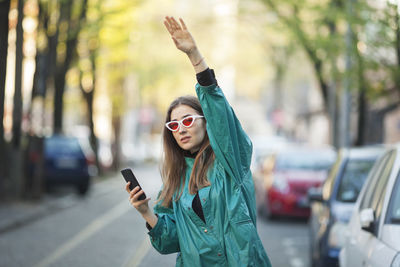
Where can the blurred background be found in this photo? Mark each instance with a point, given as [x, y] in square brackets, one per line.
[85, 84]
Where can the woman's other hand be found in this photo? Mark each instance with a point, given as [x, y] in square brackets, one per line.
[180, 35]
[141, 205]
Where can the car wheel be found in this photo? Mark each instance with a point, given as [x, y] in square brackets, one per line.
[83, 187]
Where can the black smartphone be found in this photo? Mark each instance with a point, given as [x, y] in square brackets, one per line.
[130, 177]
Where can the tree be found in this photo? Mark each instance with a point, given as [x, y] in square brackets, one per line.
[4, 9]
[17, 107]
[88, 47]
[69, 26]
[314, 27]
[372, 76]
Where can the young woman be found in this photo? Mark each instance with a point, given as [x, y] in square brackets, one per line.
[206, 208]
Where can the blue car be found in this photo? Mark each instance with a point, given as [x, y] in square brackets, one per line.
[332, 205]
[68, 162]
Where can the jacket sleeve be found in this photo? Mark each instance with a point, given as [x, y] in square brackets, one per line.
[231, 145]
[163, 236]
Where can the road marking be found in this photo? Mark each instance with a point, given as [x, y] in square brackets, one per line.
[85, 233]
[297, 262]
[291, 250]
[139, 255]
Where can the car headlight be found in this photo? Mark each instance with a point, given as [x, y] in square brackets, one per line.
[396, 261]
[337, 235]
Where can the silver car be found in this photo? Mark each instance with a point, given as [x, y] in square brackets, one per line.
[372, 236]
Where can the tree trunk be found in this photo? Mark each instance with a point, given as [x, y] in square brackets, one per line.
[88, 96]
[16, 164]
[17, 107]
[361, 119]
[362, 100]
[374, 131]
[397, 33]
[374, 126]
[93, 137]
[116, 146]
[59, 80]
[61, 70]
[33, 167]
[4, 10]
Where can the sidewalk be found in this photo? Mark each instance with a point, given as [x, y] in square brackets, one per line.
[18, 213]
[15, 214]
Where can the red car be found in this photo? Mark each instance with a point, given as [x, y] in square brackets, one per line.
[286, 178]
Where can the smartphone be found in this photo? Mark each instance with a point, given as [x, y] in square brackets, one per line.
[130, 177]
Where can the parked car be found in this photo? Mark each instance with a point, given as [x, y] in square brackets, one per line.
[331, 205]
[373, 234]
[66, 161]
[286, 178]
[265, 146]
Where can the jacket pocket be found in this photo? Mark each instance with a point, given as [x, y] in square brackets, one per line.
[243, 222]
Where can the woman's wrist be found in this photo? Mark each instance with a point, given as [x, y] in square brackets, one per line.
[194, 56]
[150, 218]
[198, 62]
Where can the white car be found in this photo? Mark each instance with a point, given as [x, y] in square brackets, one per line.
[373, 233]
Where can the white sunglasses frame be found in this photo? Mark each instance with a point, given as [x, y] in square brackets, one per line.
[181, 124]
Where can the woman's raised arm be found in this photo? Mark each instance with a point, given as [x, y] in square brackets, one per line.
[185, 42]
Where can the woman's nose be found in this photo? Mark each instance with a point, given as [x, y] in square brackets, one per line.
[181, 129]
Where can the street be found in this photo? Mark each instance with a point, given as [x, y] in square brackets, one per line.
[102, 229]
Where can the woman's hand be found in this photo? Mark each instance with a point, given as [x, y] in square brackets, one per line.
[141, 205]
[185, 42]
[180, 35]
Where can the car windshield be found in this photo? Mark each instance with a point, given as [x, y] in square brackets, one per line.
[394, 208]
[353, 177]
[303, 162]
[62, 145]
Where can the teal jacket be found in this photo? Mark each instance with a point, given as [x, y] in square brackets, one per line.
[229, 236]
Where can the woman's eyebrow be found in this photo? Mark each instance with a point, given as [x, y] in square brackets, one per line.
[184, 116]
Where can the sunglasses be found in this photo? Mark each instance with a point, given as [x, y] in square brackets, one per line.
[186, 122]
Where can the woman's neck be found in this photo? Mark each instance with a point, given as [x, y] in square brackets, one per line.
[189, 154]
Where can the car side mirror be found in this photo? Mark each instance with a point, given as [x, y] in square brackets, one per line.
[367, 219]
[315, 195]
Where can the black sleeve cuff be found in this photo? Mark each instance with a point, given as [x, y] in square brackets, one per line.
[148, 225]
[206, 77]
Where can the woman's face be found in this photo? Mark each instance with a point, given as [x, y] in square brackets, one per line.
[188, 138]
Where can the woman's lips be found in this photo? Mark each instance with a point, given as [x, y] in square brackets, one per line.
[185, 139]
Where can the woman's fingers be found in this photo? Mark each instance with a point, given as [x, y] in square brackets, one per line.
[173, 25]
[167, 25]
[134, 191]
[183, 24]
[127, 187]
[170, 23]
[176, 24]
[136, 196]
[139, 203]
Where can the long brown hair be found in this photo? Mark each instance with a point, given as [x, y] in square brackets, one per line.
[173, 164]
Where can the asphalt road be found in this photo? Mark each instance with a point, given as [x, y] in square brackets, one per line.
[102, 229]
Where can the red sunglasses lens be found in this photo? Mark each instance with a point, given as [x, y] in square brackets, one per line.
[173, 125]
[188, 121]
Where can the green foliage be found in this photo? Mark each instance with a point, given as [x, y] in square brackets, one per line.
[319, 27]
